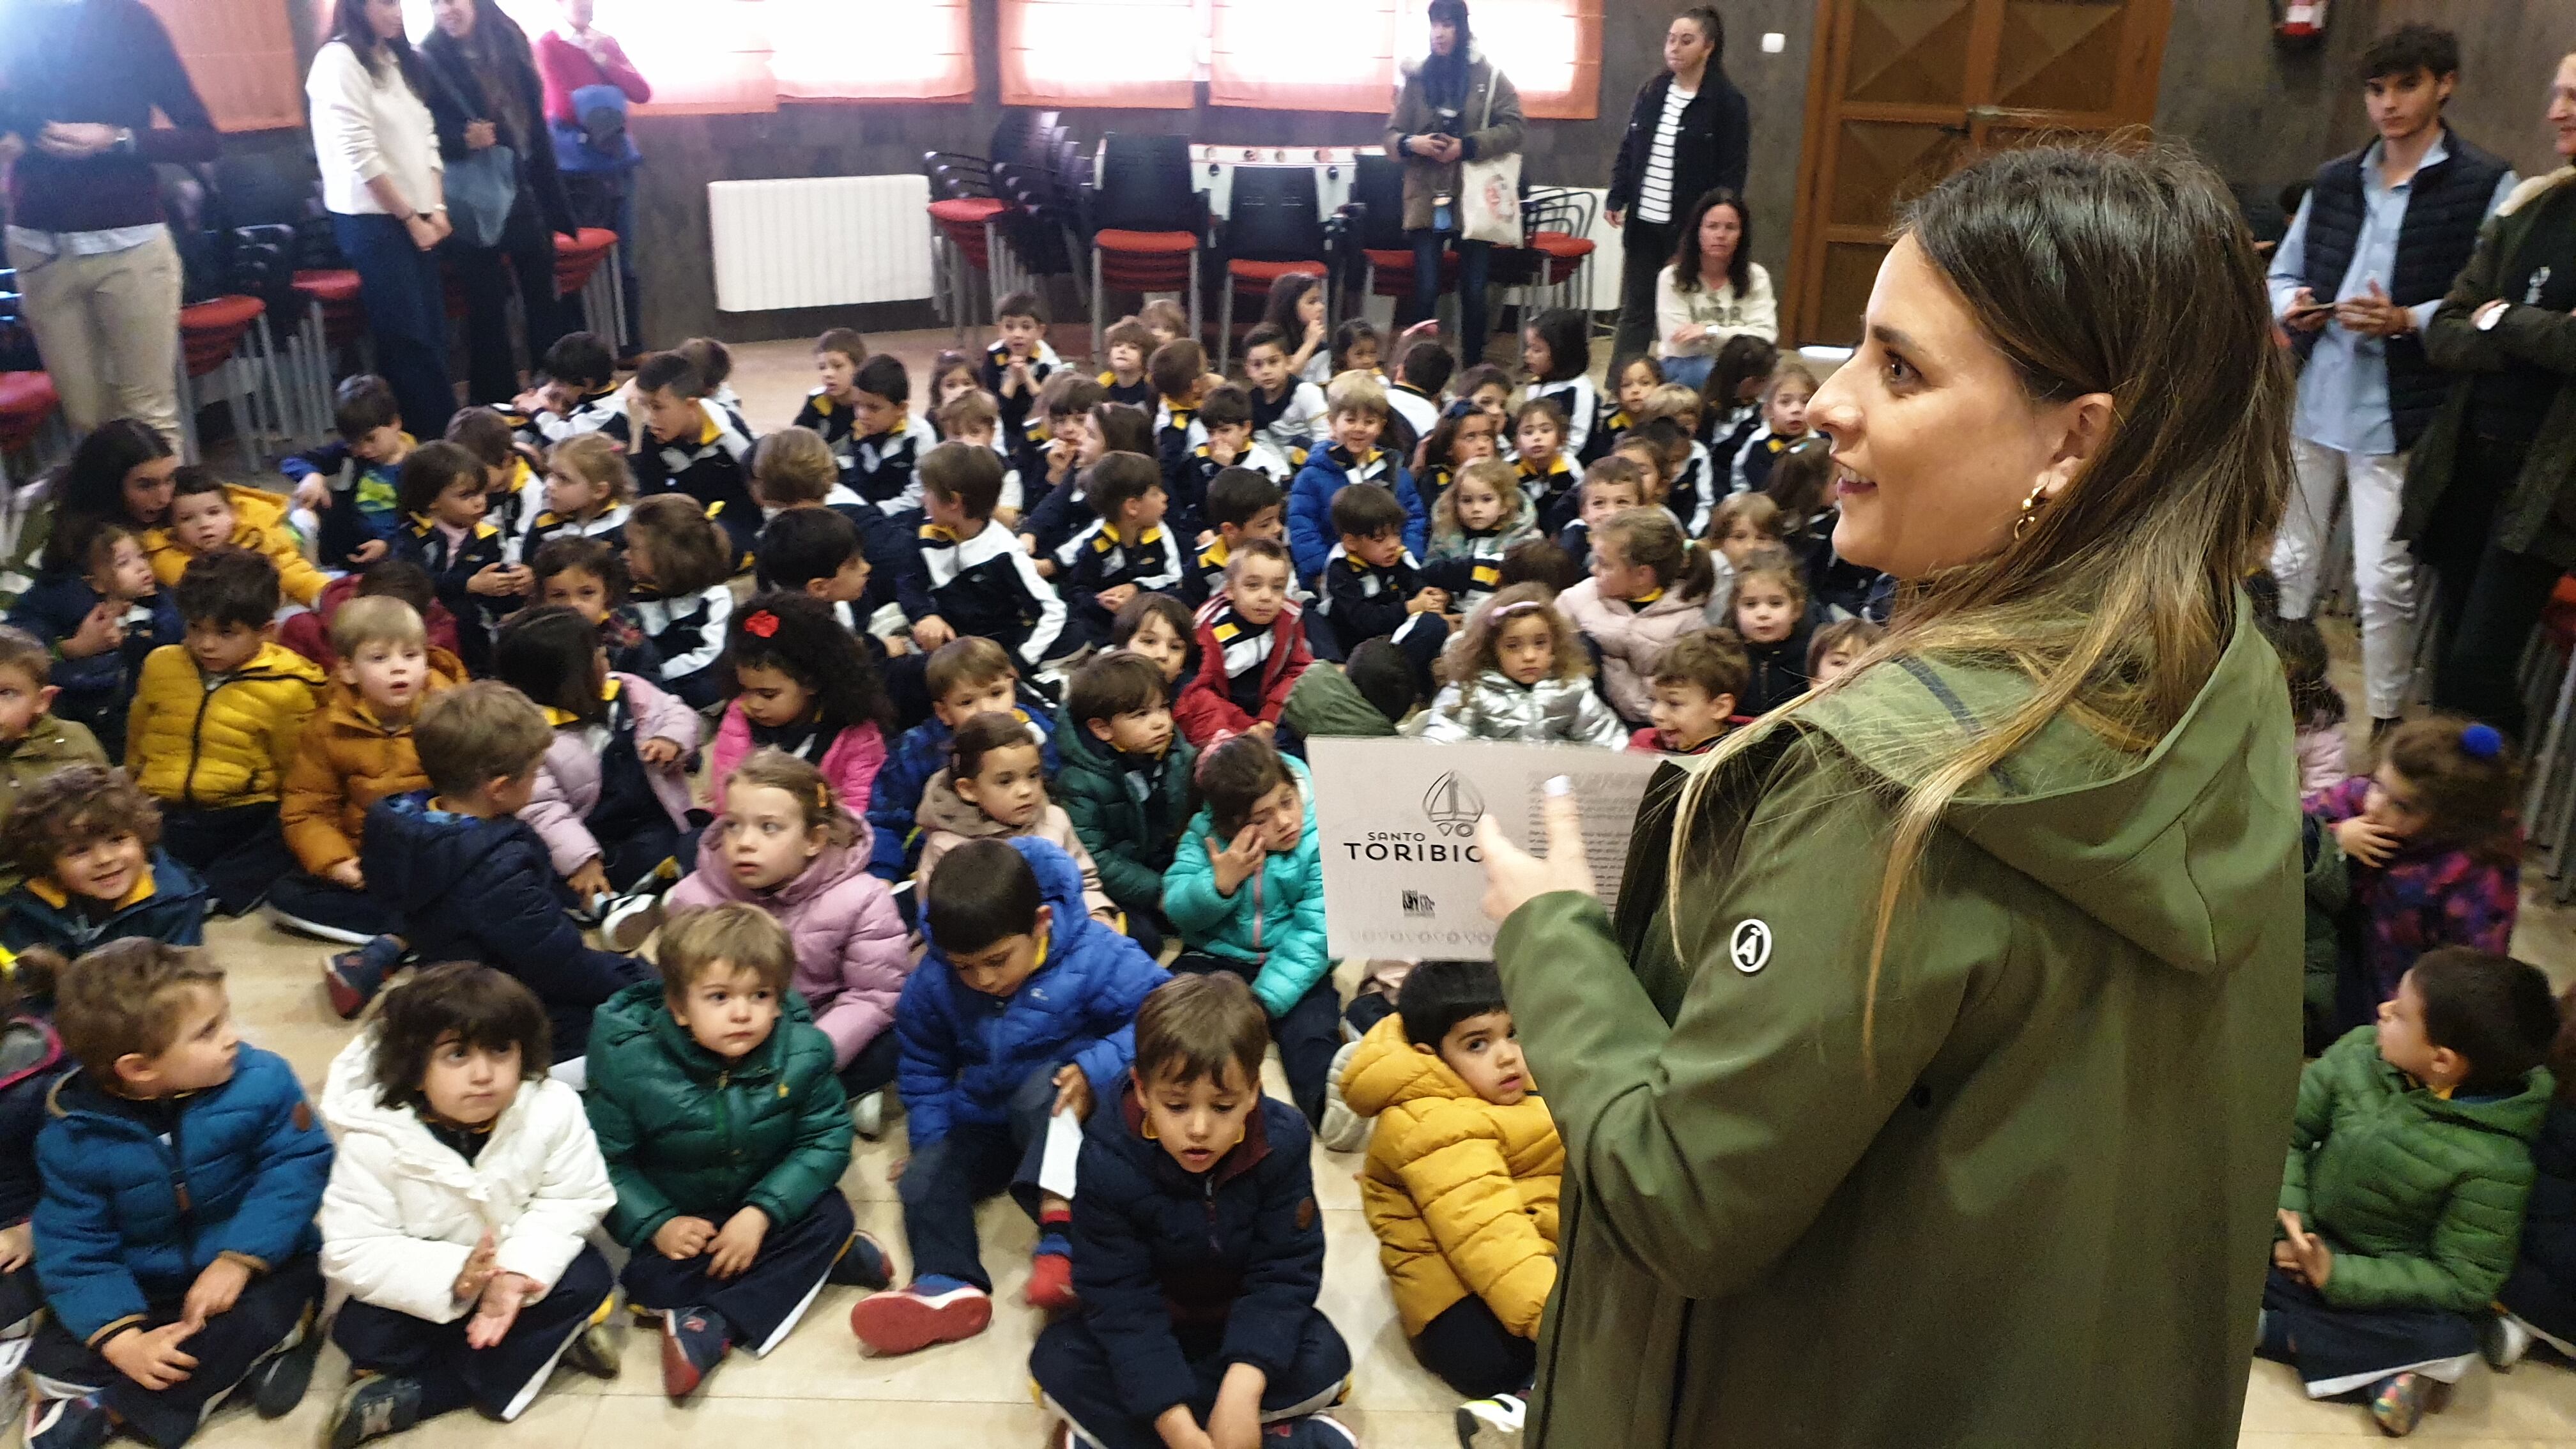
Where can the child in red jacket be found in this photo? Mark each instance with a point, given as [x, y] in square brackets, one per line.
[1252, 648]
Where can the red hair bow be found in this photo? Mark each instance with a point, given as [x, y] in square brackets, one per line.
[762, 624]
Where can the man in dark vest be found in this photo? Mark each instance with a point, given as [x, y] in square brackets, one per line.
[2373, 248]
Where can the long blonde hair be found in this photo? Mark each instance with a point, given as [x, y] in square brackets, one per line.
[2092, 270]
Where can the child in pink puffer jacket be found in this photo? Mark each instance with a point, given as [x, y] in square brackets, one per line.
[1649, 587]
[797, 680]
[786, 844]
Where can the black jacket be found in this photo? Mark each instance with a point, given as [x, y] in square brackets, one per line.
[1712, 148]
[456, 97]
[1169, 1263]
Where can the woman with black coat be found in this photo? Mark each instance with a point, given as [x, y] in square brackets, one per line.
[1688, 133]
[484, 91]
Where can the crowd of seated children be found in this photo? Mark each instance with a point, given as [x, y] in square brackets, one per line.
[84, 846]
[610, 798]
[356, 749]
[466, 1184]
[1128, 548]
[1198, 1253]
[1613, 485]
[1547, 472]
[1464, 435]
[1784, 423]
[1296, 306]
[994, 788]
[725, 1130]
[214, 726]
[588, 493]
[1556, 352]
[100, 612]
[679, 563]
[1462, 1177]
[445, 532]
[472, 879]
[2422, 852]
[161, 1304]
[1371, 588]
[1126, 780]
[350, 487]
[1018, 361]
[207, 513]
[1023, 1008]
[831, 409]
[1246, 892]
[678, 441]
[1731, 398]
[1288, 412]
[1252, 647]
[2538, 1299]
[588, 576]
[35, 741]
[1769, 611]
[1517, 671]
[1240, 504]
[515, 488]
[964, 678]
[1126, 345]
[2403, 1195]
[1369, 696]
[786, 842]
[1649, 587]
[1695, 682]
[308, 632]
[821, 538]
[576, 392]
[1475, 521]
[797, 680]
[1358, 415]
[974, 578]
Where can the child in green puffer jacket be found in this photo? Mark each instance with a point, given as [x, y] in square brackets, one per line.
[2409, 1167]
[726, 1133]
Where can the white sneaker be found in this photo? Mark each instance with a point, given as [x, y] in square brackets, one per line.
[867, 1115]
[1493, 1423]
[627, 921]
[2504, 1340]
[1342, 1129]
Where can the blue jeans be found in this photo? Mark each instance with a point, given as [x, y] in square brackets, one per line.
[1689, 372]
[406, 306]
[1475, 262]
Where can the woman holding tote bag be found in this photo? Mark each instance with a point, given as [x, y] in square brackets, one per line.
[1457, 126]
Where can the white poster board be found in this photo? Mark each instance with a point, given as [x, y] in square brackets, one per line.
[1396, 820]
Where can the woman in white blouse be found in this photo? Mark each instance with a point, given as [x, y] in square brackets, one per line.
[383, 183]
[1712, 291]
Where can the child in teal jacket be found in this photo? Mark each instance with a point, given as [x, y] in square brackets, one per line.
[1246, 891]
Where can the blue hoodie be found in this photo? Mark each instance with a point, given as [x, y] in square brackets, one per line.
[1311, 534]
[964, 1053]
[168, 905]
[129, 1218]
[485, 890]
[896, 796]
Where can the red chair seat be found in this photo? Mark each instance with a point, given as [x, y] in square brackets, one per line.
[1394, 271]
[1565, 253]
[328, 287]
[1251, 278]
[1145, 243]
[969, 210]
[26, 400]
[579, 255]
[211, 330]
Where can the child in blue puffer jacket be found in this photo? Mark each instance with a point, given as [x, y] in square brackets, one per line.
[964, 678]
[1246, 892]
[1023, 1009]
[175, 1237]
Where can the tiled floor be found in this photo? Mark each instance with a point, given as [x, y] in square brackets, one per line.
[817, 1386]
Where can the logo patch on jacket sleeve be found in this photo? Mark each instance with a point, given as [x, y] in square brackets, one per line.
[303, 1116]
[1305, 1214]
[1749, 945]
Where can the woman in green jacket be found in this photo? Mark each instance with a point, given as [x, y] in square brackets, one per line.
[1982, 1151]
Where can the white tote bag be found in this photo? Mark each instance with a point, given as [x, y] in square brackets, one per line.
[1489, 191]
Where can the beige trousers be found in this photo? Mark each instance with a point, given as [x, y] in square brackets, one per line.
[108, 327]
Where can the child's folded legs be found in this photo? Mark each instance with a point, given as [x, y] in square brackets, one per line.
[270, 1318]
[502, 1380]
[237, 848]
[1073, 1370]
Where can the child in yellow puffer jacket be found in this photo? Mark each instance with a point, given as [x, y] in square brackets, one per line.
[1461, 1182]
[207, 513]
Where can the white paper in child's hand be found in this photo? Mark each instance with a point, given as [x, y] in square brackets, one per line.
[1063, 1147]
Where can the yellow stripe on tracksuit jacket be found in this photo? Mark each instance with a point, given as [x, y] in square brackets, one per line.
[189, 744]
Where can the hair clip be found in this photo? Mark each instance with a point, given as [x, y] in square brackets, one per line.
[2481, 742]
[822, 797]
[760, 623]
[1516, 606]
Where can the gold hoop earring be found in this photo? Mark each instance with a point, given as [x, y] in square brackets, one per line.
[2030, 507]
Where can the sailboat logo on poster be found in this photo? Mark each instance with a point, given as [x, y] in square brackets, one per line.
[1452, 806]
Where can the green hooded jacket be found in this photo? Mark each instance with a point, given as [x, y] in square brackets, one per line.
[2420, 1196]
[1131, 841]
[2029, 1201]
[50, 744]
[688, 1134]
[1325, 702]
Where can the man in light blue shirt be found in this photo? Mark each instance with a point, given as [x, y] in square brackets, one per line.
[2367, 259]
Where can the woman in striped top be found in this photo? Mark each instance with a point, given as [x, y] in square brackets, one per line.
[1688, 134]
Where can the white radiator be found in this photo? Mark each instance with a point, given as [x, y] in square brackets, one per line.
[819, 241]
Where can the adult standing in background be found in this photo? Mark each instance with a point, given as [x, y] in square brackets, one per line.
[1713, 291]
[2366, 260]
[484, 92]
[79, 80]
[384, 184]
[572, 58]
[1688, 134]
[1456, 106]
[2492, 483]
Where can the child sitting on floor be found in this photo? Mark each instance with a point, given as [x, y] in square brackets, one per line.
[1372, 584]
[726, 1135]
[1358, 414]
[515, 491]
[466, 1183]
[181, 1171]
[309, 632]
[1478, 519]
[965, 678]
[2409, 1167]
[678, 563]
[1023, 1008]
[84, 844]
[1127, 550]
[1462, 1176]
[588, 576]
[348, 488]
[1125, 784]
[102, 614]
[1198, 1252]
[1696, 681]
[1838, 646]
[787, 843]
[34, 742]
[1784, 423]
[1770, 614]
[974, 579]
[1252, 648]
[1366, 697]
[1246, 892]
[1241, 504]
[679, 441]
[207, 513]
[797, 681]
[1610, 487]
[1521, 674]
[1547, 472]
[444, 531]
[995, 788]
[589, 490]
[1649, 587]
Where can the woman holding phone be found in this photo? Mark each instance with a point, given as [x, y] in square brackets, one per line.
[1456, 106]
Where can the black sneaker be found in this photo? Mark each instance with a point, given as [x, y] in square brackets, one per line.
[68, 1424]
[372, 1408]
[278, 1384]
[863, 1264]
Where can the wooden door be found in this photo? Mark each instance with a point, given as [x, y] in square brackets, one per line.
[1904, 92]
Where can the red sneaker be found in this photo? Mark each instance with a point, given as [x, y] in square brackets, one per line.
[1051, 1283]
[908, 1320]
